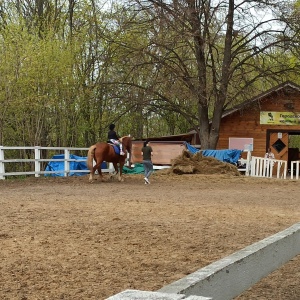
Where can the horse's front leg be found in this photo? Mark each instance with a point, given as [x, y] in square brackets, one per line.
[120, 178]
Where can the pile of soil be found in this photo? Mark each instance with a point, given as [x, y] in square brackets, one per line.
[188, 163]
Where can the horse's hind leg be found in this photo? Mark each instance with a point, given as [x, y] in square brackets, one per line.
[92, 173]
[97, 166]
[113, 174]
[91, 178]
[100, 173]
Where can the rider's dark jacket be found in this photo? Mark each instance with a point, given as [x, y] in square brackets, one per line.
[112, 135]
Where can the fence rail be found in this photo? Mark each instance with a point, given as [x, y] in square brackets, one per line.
[35, 158]
[34, 165]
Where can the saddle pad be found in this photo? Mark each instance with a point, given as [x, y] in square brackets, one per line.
[117, 149]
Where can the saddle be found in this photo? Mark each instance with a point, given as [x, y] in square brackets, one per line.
[116, 147]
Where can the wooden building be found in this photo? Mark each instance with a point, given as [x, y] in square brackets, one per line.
[165, 148]
[267, 120]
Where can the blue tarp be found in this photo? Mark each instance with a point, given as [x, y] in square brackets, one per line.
[227, 155]
[191, 149]
[60, 166]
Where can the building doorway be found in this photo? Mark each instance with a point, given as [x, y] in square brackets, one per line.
[279, 143]
[284, 144]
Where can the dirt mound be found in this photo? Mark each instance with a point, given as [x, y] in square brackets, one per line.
[188, 163]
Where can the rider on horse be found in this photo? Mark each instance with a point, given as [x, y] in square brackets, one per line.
[113, 137]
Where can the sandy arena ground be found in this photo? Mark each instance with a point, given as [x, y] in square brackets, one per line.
[64, 238]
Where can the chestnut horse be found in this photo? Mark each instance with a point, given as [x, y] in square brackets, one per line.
[102, 151]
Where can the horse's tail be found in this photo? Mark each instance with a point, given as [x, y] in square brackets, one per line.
[90, 157]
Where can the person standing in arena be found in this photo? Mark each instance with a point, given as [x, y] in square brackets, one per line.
[147, 161]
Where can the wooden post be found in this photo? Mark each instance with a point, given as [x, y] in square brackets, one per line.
[37, 162]
[2, 167]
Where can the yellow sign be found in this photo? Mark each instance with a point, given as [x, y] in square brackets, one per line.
[279, 118]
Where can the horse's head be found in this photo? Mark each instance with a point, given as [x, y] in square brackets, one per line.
[127, 143]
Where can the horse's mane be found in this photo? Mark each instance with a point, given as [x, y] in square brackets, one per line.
[126, 136]
[126, 140]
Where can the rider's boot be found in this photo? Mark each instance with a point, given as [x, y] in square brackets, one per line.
[121, 149]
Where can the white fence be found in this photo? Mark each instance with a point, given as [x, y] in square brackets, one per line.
[263, 167]
[244, 164]
[37, 157]
[296, 164]
[34, 161]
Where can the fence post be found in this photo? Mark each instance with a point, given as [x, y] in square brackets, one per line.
[284, 169]
[296, 163]
[111, 168]
[2, 167]
[254, 166]
[268, 167]
[67, 162]
[37, 163]
[248, 167]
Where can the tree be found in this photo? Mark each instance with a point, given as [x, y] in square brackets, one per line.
[54, 59]
[207, 56]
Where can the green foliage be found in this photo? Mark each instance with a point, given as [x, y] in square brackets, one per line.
[66, 73]
[294, 141]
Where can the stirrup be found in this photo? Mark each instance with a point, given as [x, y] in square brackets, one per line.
[122, 153]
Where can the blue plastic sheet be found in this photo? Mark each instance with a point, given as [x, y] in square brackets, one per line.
[227, 155]
[60, 166]
[191, 149]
